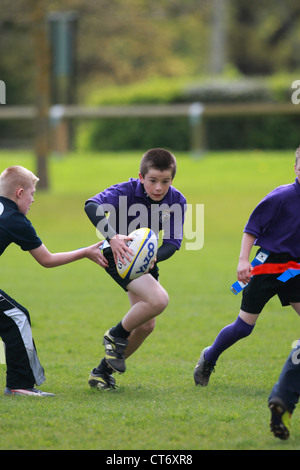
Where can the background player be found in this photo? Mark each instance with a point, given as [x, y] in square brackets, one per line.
[285, 395]
[274, 225]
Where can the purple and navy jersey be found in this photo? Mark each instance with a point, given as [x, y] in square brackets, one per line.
[275, 222]
[131, 208]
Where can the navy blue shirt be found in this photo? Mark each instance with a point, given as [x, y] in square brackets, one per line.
[275, 222]
[15, 227]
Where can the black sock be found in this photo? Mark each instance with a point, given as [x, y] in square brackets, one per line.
[119, 332]
[103, 368]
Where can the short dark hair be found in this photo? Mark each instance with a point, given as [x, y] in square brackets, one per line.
[160, 159]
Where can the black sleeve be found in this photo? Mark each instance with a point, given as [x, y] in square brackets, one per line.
[23, 233]
[97, 216]
[165, 251]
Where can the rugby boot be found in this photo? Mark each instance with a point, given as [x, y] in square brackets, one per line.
[32, 392]
[203, 370]
[101, 381]
[114, 352]
[280, 423]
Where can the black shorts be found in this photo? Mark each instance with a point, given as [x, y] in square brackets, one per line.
[112, 270]
[263, 287]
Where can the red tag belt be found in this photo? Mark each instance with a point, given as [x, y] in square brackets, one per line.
[274, 268]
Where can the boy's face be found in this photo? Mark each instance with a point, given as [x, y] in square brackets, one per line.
[297, 169]
[24, 199]
[156, 183]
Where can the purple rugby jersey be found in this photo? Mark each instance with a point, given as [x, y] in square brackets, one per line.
[276, 221]
[134, 209]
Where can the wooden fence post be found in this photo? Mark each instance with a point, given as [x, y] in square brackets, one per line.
[196, 111]
[42, 58]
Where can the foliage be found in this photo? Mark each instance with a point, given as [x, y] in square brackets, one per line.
[266, 132]
[136, 41]
[265, 37]
[230, 87]
[125, 42]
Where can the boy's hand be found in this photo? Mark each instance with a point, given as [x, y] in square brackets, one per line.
[120, 249]
[95, 254]
[152, 264]
[244, 271]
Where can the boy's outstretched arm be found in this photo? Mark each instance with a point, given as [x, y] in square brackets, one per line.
[51, 260]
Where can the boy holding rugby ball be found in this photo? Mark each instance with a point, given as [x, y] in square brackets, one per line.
[152, 192]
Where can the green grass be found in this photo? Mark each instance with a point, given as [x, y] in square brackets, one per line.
[156, 405]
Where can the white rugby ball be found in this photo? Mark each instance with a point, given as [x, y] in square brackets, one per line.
[144, 248]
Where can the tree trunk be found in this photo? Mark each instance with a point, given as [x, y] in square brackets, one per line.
[42, 60]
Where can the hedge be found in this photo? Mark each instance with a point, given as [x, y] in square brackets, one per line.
[268, 132]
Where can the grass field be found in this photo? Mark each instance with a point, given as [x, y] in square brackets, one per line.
[156, 406]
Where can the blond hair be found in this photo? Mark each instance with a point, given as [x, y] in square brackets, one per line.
[16, 177]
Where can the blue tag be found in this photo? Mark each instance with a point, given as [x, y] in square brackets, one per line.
[288, 274]
[260, 258]
[237, 287]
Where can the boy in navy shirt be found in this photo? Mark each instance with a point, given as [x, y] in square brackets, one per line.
[17, 188]
[274, 225]
[159, 206]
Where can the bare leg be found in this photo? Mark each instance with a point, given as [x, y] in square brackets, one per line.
[138, 336]
[249, 318]
[150, 299]
[296, 307]
[141, 332]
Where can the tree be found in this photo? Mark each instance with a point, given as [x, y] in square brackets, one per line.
[42, 61]
[219, 36]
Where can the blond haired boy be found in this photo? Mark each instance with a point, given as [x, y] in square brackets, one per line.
[17, 188]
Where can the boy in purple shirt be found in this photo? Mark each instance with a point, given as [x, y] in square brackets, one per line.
[274, 225]
[148, 201]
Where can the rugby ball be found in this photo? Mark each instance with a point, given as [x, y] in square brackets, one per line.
[144, 248]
